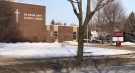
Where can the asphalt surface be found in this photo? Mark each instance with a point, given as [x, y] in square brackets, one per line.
[112, 69]
[130, 68]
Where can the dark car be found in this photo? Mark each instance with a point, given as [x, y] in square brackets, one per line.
[86, 40]
[95, 42]
[132, 40]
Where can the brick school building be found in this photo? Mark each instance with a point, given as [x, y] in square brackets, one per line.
[31, 20]
[61, 33]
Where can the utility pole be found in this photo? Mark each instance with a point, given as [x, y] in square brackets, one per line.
[87, 34]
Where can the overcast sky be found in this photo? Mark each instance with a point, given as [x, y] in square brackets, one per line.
[61, 10]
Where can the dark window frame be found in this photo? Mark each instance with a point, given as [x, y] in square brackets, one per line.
[74, 35]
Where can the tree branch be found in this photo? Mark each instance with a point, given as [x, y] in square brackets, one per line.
[78, 4]
[74, 9]
[88, 13]
[100, 4]
[88, 7]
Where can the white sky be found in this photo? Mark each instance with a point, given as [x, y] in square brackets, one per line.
[61, 10]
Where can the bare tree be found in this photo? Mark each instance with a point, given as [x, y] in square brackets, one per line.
[100, 21]
[110, 18]
[83, 25]
[59, 23]
[91, 27]
[8, 27]
[114, 14]
[72, 24]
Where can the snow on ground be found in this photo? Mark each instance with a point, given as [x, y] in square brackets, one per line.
[71, 42]
[126, 43]
[51, 50]
[75, 43]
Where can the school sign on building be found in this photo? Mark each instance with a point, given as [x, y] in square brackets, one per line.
[31, 23]
[30, 19]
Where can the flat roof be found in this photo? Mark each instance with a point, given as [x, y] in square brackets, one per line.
[28, 3]
[61, 25]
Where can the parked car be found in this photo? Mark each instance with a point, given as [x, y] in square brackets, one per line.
[85, 41]
[96, 42]
[108, 41]
[132, 40]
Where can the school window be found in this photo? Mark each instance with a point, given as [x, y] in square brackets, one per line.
[74, 35]
[55, 33]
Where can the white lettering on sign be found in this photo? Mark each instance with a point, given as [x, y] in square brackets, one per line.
[28, 18]
[25, 14]
[38, 15]
[38, 18]
[32, 16]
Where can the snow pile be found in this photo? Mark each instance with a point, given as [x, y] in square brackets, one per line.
[103, 51]
[127, 43]
[76, 43]
[51, 50]
[73, 42]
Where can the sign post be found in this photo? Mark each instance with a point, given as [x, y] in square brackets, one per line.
[118, 37]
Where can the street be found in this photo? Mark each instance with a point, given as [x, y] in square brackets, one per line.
[112, 69]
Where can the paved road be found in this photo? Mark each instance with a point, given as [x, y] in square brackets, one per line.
[112, 69]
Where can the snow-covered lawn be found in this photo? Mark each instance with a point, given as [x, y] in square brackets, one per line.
[126, 43]
[51, 50]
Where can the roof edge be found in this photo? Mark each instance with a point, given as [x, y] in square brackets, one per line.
[28, 3]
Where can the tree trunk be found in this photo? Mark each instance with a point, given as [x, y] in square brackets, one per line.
[89, 15]
[80, 43]
[80, 47]
[111, 39]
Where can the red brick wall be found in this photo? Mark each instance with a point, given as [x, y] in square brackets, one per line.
[52, 28]
[65, 33]
[32, 30]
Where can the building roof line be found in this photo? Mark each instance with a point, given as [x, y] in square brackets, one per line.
[61, 25]
[28, 3]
